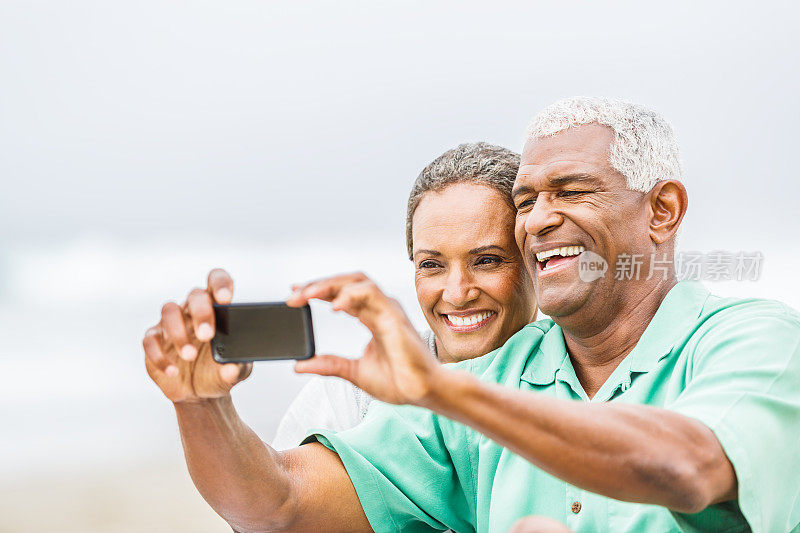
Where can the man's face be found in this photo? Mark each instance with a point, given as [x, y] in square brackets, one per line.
[570, 199]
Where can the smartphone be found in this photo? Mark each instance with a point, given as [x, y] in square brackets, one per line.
[268, 331]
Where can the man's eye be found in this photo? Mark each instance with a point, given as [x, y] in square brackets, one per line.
[526, 203]
[573, 193]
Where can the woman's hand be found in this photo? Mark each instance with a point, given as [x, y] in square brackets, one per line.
[177, 349]
[396, 366]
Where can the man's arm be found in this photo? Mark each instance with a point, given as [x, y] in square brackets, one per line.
[249, 484]
[628, 452]
[255, 488]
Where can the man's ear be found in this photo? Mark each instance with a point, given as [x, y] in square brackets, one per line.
[668, 203]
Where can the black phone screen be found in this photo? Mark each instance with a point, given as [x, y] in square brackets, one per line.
[262, 331]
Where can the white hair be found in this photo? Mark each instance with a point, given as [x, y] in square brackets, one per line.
[644, 148]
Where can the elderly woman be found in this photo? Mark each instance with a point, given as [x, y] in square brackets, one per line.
[470, 279]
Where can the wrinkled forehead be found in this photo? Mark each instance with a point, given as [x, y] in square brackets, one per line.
[462, 204]
[577, 150]
[462, 212]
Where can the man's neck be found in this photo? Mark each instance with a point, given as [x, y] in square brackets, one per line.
[597, 351]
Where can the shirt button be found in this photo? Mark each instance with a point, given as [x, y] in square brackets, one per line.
[576, 507]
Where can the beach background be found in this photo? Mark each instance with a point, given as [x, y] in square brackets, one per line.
[142, 144]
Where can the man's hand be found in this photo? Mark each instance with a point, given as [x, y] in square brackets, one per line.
[177, 349]
[396, 366]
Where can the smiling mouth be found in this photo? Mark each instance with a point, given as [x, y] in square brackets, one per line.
[467, 323]
[551, 260]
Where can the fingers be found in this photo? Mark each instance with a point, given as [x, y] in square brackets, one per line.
[328, 365]
[363, 300]
[220, 285]
[354, 294]
[200, 303]
[350, 278]
[174, 327]
[201, 311]
[154, 352]
[324, 289]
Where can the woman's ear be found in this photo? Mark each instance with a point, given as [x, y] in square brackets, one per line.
[668, 203]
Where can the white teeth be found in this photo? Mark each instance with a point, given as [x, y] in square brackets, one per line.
[470, 319]
[564, 251]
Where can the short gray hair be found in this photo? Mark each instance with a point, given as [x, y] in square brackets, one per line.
[482, 163]
[644, 149]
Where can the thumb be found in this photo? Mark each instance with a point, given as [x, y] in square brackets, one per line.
[233, 373]
[327, 365]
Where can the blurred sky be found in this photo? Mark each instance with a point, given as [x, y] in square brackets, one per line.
[142, 143]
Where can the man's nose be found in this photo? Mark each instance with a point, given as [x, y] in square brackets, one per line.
[542, 218]
[460, 289]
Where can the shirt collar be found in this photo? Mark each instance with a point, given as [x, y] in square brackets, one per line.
[550, 356]
[678, 312]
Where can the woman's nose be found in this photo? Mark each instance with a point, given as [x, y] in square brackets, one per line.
[459, 290]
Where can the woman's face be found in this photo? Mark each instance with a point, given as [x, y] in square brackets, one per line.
[471, 282]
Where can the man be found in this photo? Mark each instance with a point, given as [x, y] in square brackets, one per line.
[643, 405]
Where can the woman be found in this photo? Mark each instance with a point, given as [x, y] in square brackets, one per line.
[470, 278]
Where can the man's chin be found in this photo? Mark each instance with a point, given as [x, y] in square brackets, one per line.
[556, 310]
[561, 299]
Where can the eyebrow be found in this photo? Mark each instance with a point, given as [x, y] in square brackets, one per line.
[522, 189]
[474, 251]
[555, 182]
[569, 178]
[481, 249]
[429, 252]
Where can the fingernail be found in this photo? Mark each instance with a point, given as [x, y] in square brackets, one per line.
[171, 371]
[189, 352]
[230, 371]
[224, 295]
[204, 331]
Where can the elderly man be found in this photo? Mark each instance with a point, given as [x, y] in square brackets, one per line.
[643, 404]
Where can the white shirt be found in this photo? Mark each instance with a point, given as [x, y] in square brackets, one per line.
[326, 403]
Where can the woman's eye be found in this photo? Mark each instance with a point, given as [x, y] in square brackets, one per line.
[488, 260]
[428, 264]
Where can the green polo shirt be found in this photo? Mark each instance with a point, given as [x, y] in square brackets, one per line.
[733, 364]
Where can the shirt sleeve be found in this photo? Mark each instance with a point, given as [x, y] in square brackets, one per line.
[745, 386]
[322, 403]
[403, 473]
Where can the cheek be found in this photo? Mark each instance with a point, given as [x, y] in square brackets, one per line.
[525, 297]
[503, 288]
[519, 232]
[427, 295]
[515, 292]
